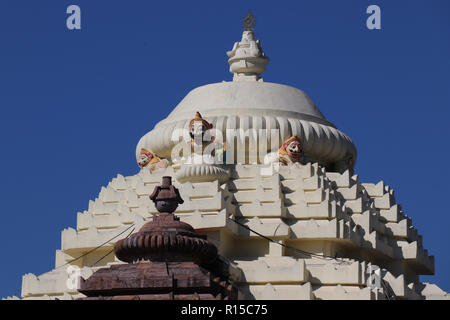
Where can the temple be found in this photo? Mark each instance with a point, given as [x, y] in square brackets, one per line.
[268, 187]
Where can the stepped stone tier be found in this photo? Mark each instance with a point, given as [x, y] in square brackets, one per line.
[298, 224]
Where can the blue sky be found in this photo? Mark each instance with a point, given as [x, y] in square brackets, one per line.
[73, 104]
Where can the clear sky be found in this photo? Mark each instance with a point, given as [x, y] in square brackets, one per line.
[74, 103]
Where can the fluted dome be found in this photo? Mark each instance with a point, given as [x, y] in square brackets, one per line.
[248, 102]
[254, 105]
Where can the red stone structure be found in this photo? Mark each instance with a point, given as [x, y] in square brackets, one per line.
[166, 260]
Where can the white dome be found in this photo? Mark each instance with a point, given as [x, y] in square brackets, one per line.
[247, 98]
[250, 103]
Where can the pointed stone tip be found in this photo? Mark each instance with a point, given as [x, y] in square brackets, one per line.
[248, 22]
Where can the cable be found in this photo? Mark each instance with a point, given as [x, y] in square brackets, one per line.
[386, 288]
[325, 257]
[109, 251]
[98, 247]
[101, 258]
[284, 245]
[388, 292]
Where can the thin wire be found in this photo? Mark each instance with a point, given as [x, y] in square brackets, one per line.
[284, 245]
[109, 251]
[383, 285]
[386, 290]
[240, 224]
[101, 258]
[98, 247]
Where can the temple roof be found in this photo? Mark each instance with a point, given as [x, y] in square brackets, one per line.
[248, 102]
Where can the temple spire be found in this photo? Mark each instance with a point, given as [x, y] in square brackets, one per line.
[247, 60]
[249, 22]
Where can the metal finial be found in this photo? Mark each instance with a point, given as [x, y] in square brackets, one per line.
[249, 22]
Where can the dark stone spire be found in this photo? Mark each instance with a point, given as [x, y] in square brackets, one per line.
[166, 259]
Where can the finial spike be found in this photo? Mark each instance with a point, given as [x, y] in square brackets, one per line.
[247, 60]
[249, 22]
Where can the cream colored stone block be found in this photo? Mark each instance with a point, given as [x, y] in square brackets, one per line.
[143, 212]
[271, 182]
[374, 190]
[299, 210]
[155, 177]
[295, 172]
[369, 222]
[375, 240]
[145, 202]
[84, 220]
[215, 203]
[316, 196]
[385, 202]
[319, 229]
[243, 184]
[276, 292]
[275, 249]
[132, 181]
[336, 272]
[418, 255]
[313, 183]
[341, 180]
[126, 217]
[61, 258]
[349, 193]
[145, 189]
[106, 221]
[91, 238]
[402, 229]
[257, 195]
[131, 199]
[198, 190]
[109, 195]
[97, 207]
[305, 171]
[392, 214]
[289, 186]
[262, 209]
[356, 206]
[410, 250]
[119, 183]
[204, 220]
[246, 171]
[272, 270]
[325, 210]
[269, 227]
[400, 288]
[433, 292]
[340, 292]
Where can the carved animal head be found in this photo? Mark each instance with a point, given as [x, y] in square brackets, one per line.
[144, 158]
[197, 127]
[293, 147]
